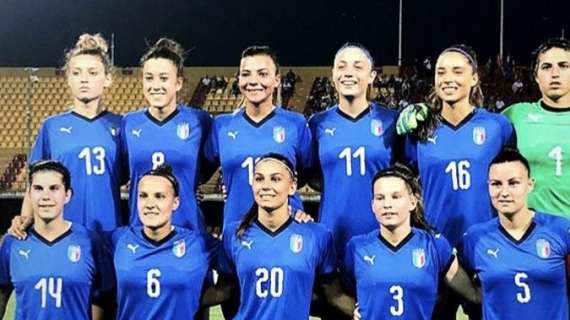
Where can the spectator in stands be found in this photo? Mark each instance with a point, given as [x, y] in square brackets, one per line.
[517, 86]
[543, 128]
[85, 140]
[354, 139]
[166, 132]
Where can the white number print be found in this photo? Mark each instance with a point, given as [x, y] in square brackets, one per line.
[460, 176]
[275, 279]
[524, 296]
[94, 160]
[556, 154]
[398, 295]
[359, 153]
[153, 283]
[52, 287]
[248, 165]
[157, 159]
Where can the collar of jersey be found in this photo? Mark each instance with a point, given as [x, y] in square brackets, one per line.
[163, 122]
[101, 114]
[276, 232]
[461, 123]
[262, 121]
[399, 245]
[552, 109]
[161, 241]
[54, 241]
[350, 118]
[526, 234]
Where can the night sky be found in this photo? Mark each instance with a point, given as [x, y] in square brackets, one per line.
[36, 32]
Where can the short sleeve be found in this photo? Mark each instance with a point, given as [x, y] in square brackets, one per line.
[464, 252]
[305, 147]
[104, 275]
[5, 278]
[410, 155]
[348, 265]
[225, 263]
[211, 148]
[327, 258]
[40, 150]
[444, 251]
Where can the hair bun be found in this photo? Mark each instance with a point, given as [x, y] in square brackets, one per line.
[89, 41]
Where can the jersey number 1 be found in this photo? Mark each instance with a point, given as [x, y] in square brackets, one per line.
[359, 153]
[52, 287]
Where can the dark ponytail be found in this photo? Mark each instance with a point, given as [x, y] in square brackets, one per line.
[247, 221]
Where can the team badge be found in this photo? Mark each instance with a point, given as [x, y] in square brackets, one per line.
[183, 130]
[296, 243]
[543, 248]
[419, 258]
[179, 248]
[479, 135]
[376, 127]
[74, 253]
[279, 134]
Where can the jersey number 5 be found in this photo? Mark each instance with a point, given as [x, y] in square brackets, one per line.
[524, 296]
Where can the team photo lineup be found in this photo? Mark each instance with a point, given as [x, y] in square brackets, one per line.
[437, 205]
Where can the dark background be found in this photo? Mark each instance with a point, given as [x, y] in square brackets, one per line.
[36, 32]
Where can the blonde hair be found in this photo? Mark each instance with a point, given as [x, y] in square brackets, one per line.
[90, 44]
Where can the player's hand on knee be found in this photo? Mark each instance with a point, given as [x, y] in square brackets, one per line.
[409, 117]
[19, 226]
[302, 216]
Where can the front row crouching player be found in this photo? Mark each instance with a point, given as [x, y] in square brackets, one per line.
[60, 271]
[518, 257]
[276, 259]
[395, 271]
[161, 269]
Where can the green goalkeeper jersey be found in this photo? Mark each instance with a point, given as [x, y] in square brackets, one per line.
[543, 137]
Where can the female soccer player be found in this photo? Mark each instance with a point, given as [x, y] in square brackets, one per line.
[519, 257]
[276, 259]
[160, 268]
[354, 140]
[166, 132]
[57, 271]
[85, 139]
[238, 139]
[396, 270]
[543, 128]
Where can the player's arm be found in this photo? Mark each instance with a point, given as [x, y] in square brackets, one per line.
[219, 292]
[457, 279]
[21, 222]
[5, 292]
[330, 285]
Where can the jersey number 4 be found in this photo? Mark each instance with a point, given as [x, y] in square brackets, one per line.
[52, 287]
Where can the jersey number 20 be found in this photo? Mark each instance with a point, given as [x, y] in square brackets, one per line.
[275, 285]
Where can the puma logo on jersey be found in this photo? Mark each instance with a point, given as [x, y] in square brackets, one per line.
[133, 247]
[534, 117]
[136, 133]
[370, 259]
[247, 244]
[66, 130]
[330, 131]
[493, 253]
[233, 134]
[25, 253]
[432, 139]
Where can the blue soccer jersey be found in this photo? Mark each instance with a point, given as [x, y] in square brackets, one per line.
[350, 152]
[177, 141]
[159, 280]
[276, 270]
[453, 164]
[237, 142]
[520, 279]
[56, 279]
[89, 148]
[397, 282]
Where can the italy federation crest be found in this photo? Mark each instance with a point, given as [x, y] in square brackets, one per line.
[296, 243]
[279, 134]
[183, 130]
[179, 248]
[479, 135]
[74, 253]
[419, 258]
[376, 127]
[543, 248]
[114, 131]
